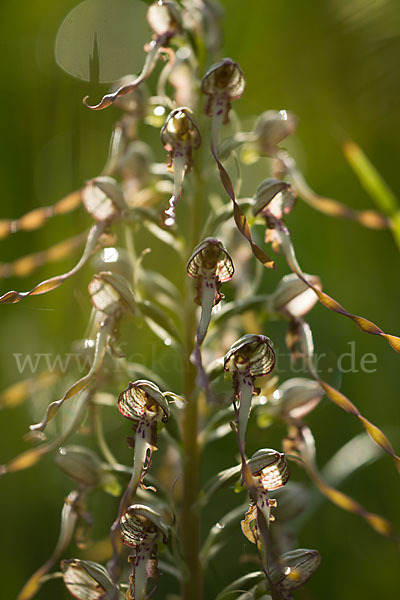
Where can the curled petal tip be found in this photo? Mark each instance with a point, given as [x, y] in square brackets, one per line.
[104, 103]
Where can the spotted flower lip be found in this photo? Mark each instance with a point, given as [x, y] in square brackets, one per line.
[271, 467]
[142, 528]
[140, 521]
[143, 397]
[251, 353]
[226, 80]
[210, 258]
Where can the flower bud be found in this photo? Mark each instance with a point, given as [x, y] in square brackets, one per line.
[274, 197]
[297, 397]
[297, 568]
[291, 501]
[81, 465]
[271, 128]
[293, 297]
[164, 18]
[110, 293]
[136, 161]
[103, 198]
[87, 580]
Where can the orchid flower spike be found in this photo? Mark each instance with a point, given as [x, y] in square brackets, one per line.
[145, 404]
[144, 529]
[250, 357]
[180, 136]
[211, 265]
[164, 18]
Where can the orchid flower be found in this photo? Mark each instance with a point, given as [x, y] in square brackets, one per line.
[211, 265]
[104, 201]
[270, 204]
[145, 404]
[271, 127]
[164, 19]
[72, 513]
[223, 83]
[87, 580]
[180, 136]
[143, 529]
[250, 357]
[112, 298]
[270, 472]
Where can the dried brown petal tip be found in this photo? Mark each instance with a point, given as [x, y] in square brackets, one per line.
[274, 197]
[103, 199]
[272, 127]
[111, 294]
[81, 465]
[143, 398]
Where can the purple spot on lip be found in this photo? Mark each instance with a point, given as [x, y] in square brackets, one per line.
[219, 112]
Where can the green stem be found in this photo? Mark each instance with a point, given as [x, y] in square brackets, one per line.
[192, 586]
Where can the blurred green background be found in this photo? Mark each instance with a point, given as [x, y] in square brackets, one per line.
[334, 63]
